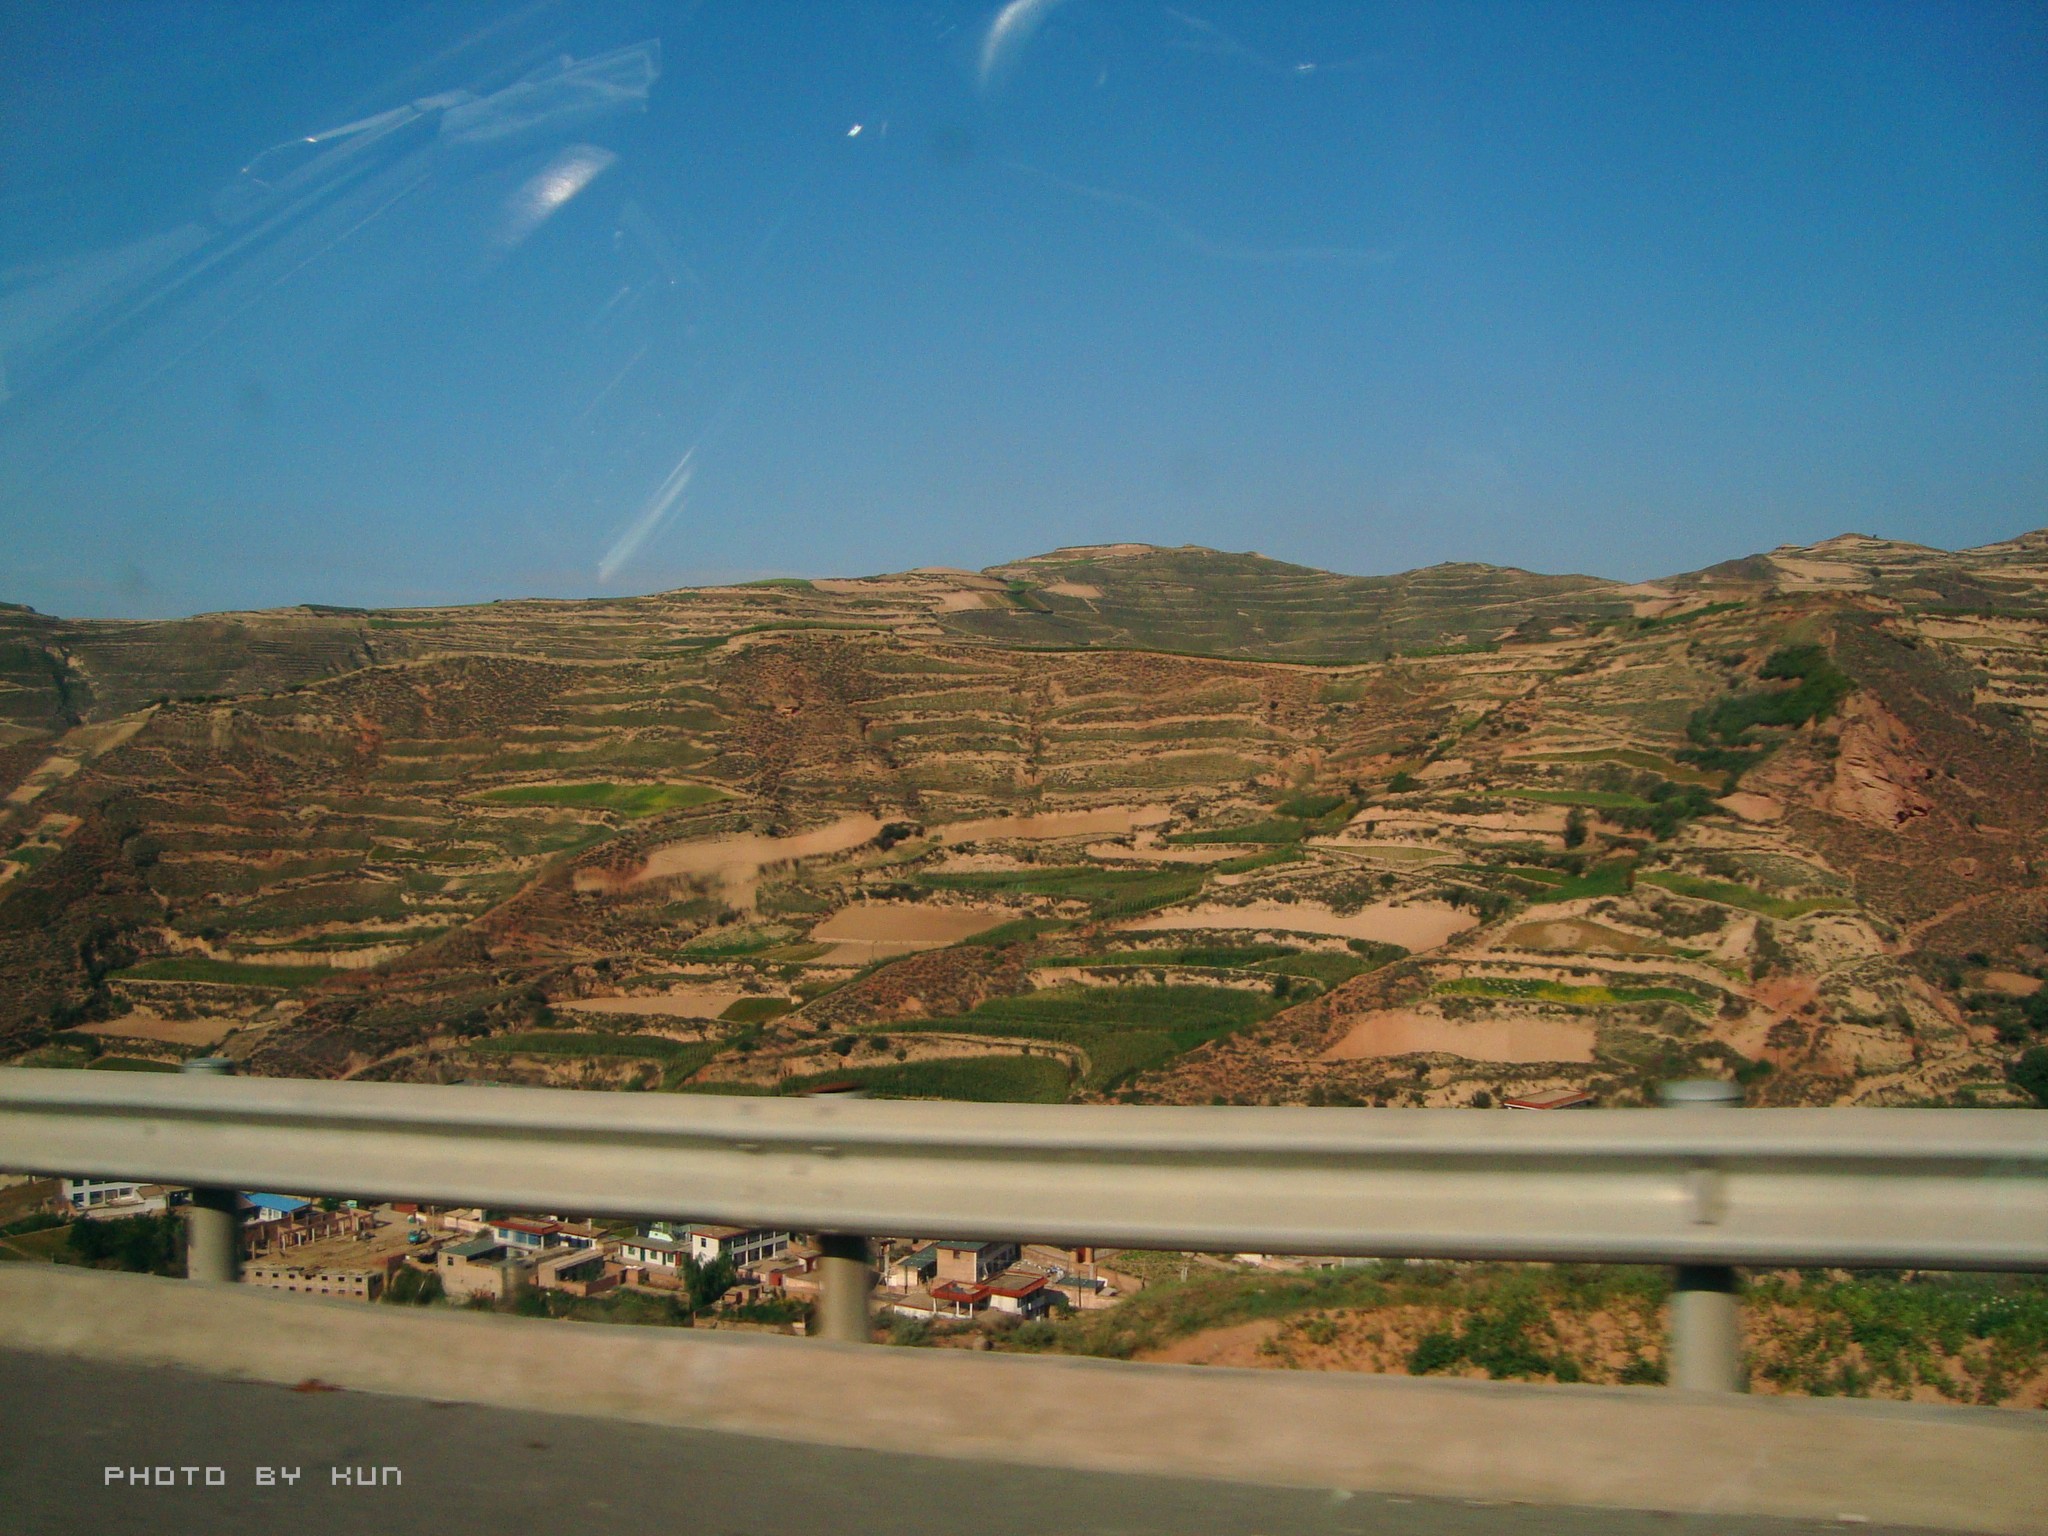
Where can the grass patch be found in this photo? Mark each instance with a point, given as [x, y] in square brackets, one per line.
[629, 800]
[1729, 894]
[229, 973]
[977, 1079]
[129, 1064]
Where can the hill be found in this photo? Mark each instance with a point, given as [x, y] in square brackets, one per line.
[61, 672]
[1124, 822]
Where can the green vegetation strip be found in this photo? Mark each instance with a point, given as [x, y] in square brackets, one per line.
[630, 800]
[1596, 799]
[232, 973]
[1730, 895]
[583, 1043]
[1109, 892]
[1527, 990]
[1650, 762]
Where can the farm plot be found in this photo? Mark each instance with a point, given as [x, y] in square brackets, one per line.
[1122, 1030]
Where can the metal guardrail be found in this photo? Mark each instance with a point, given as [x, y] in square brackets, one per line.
[1941, 1189]
[1950, 1189]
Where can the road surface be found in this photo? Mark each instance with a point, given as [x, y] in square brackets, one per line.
[464, 1468]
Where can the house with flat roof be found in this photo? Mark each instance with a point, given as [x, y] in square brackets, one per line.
[908, 1271]
[958, 1298]
[973, 1262]
[477, 1268]
[1021, 1293]
[579, 1271]
[658, 1255]
[89, 1194]
[531, 1234]
[708, 1242]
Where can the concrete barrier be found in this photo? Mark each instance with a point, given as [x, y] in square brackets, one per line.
[1973, 1469]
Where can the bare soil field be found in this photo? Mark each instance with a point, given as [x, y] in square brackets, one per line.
[1416, 926]
[1502, 1037]
[736, 861]
[869, 930]
[2012, 983]
[147, 1026]
[675, 1003]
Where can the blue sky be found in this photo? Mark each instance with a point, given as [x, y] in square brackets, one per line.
[360, 303]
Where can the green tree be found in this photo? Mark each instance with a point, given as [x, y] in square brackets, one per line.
[145, 1245]
[2030, 1071]
[705, 1283]
[1575, 828]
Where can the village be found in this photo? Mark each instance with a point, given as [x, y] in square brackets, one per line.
[721, 1275]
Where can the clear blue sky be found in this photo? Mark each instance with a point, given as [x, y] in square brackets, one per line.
[569, 299]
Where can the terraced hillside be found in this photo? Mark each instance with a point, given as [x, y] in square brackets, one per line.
[56, 673]
[1114, 823]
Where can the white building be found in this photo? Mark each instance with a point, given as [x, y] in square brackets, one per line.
[90, 1194]
[708, 1243]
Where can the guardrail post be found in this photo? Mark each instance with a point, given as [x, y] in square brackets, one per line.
[213, 1248]
[846, 1280]
[845, 1288]
[1706, 1299]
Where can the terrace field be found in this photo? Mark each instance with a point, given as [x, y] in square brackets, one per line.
[631, 800]
[1148, 824]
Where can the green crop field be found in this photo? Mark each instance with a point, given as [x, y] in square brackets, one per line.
[1330, 969]
[1246, 863]
[232, 973]
[1731, 895]
[1123, 1030]
[1609, 879]
[756, 1010]
[1109, 892]
[979, 1079]
[630, 800]
[584, 1043]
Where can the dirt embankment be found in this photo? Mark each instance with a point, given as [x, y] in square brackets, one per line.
[938, 983]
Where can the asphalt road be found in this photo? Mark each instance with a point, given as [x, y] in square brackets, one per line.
[463, 1468]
